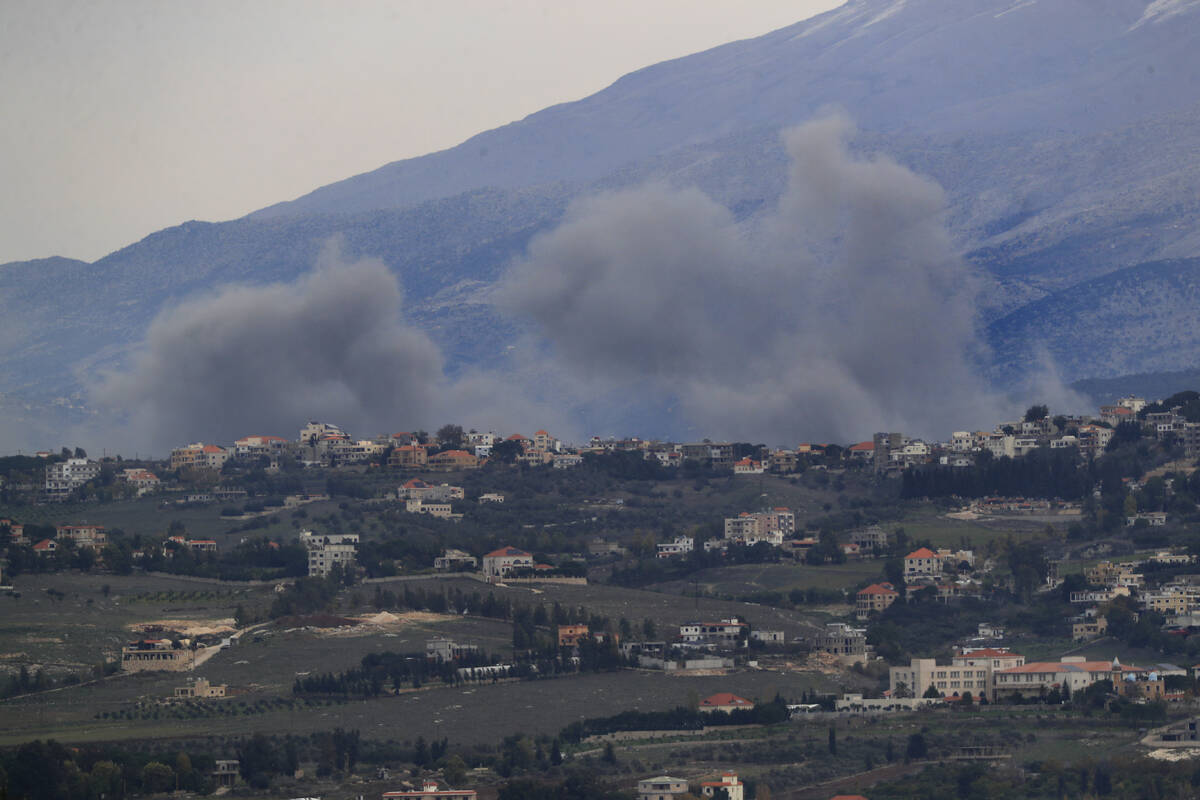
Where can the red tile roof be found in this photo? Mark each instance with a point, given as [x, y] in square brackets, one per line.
[879, 588]
[726, 699]
[508, 552]
[862, 446]
[924, 552]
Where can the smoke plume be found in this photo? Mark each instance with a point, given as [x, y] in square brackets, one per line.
[247, 360]
[846, 310]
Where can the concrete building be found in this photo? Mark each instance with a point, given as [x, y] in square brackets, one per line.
[839, 639]
[326, 550]
[199, 456]
[682, 545]
[200, 688]
[722, 633]
[155, 655]
[922, 563]
[1074, 672]
[728, 783]
[661, 788]
[503, 562]
[453, 560]
[65, 477]
[874, 599]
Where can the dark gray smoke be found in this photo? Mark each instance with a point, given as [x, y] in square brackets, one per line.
[247, 360]
[846, 311]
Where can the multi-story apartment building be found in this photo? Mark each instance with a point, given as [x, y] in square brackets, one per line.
[326, 550]
[65, 477]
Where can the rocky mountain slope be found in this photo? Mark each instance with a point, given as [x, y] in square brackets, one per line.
[1065, 134]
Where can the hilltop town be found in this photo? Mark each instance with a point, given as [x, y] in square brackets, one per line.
[717, 618]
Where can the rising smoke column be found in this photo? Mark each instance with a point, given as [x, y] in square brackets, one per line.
[846, 310]
[244, 360]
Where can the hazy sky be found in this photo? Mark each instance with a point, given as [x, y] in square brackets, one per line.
[121, 118]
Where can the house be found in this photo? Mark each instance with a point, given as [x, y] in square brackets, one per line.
[748, 466]
[1089, 629]
[874, 599]
[46, 547]
[571, 635]
[199, 456]
[452, 559]
[682, 545]
[324, 551]
[661, 788]
[143, 480]
[451, 460]
[430, 791]
[491, 497]
[501, 563]
[408, 456]
[1155, 519]
[153, 655]
[768, 637]
[226, 772]
[839, 639]
[726, 632]
[200, 688]
[922, 563]
[724, 701]
[417, 489]
[729, 784]
[16, 531]
[446, 650]
[92, 537]
[434, 508]
[870, 538]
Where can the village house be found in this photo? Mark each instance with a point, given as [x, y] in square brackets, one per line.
[408, 456]
[226, 772]
[874, 599]
[729, 784]
[451, 460]
[455, 560]
[491, 497]
[434, 508]
[571, 635]
[201, 689]
[441, 649]
[143, 480]
[92, 537]
[725, 701]
[724, 633]
[503, 562]
[869, 538]
[922, 563]
[154, 655]
[682, 545]
[417, 489]
[199, 456]
[839, 639]
[1089, 629]
[661, 788]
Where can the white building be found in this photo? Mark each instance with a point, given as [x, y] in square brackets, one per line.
[682, 545]
[729, 782]
[324, 551]
[65, 477]
[500, 563]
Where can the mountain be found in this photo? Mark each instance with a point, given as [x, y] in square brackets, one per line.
[1065, 134]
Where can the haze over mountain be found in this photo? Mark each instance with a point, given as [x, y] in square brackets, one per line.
[1063, 133]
